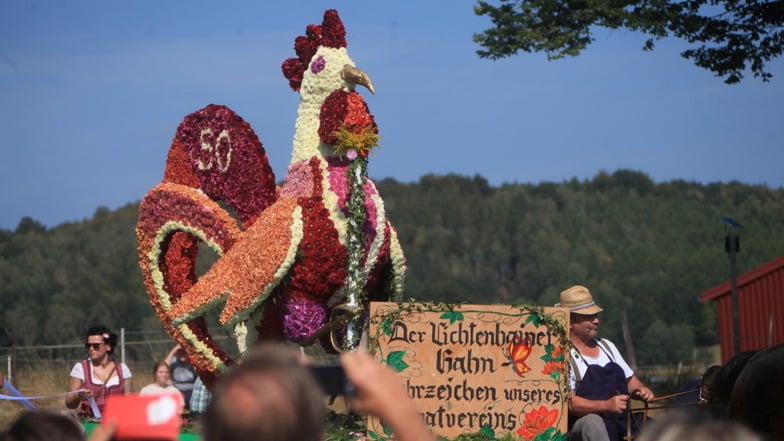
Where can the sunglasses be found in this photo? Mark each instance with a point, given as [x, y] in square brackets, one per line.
[583, 317]
[95, 346]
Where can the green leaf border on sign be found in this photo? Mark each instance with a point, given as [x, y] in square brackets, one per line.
[536, 316]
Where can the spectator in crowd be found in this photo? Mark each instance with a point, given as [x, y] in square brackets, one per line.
[200, 397]
[183, 373]
[600, 379]
[162, 383]
[273, 395]
[99, 375]
[44, 425]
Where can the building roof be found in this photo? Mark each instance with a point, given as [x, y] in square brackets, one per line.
[725, 288]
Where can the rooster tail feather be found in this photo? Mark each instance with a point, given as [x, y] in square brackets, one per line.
[215, 150]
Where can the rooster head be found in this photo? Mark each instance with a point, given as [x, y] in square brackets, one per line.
[332, 118]
[322, 64]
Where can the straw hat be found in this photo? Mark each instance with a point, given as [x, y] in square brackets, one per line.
[579, 301]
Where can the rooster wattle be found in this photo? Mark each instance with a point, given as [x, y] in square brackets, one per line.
[318, 244]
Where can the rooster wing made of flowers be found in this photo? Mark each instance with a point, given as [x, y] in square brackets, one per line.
[293, 258]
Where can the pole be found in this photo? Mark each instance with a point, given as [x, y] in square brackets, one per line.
[732, 243]
[12, 363]
[627, 339]
[122, 345]
[770, 329]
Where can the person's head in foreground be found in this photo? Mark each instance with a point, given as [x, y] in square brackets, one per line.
[271, 395]
[43, 425]
[679, 428]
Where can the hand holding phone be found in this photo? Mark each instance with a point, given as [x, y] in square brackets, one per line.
[332, 380]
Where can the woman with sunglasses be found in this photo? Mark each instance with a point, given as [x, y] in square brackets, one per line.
[98, 376]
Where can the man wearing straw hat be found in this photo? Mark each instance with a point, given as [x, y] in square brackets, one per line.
[600, 379]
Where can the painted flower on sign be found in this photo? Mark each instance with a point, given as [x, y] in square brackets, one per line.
[537, 421]
[554, 361]
[553, 368]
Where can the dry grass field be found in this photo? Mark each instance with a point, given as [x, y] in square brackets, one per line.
[36, 374]
[51, 380]
[44, 370]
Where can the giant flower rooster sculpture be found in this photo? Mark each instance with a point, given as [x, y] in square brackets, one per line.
[296, 261]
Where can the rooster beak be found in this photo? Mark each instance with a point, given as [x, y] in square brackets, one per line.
[352, 75]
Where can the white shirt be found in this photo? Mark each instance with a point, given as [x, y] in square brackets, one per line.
[580, 361]
[78, 372]
[154, 389]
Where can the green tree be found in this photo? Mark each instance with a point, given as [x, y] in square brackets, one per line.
[730, 35]
[29, 225]
[667, 344]
[644, 247]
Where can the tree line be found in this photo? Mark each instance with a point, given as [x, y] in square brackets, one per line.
[646, 250]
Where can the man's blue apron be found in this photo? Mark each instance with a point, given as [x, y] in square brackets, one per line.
[601, 383]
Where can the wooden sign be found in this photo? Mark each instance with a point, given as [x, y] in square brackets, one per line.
[477, 368]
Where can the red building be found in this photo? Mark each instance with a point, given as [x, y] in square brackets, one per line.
[760, 308]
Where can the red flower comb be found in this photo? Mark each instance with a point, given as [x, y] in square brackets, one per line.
[330, 33]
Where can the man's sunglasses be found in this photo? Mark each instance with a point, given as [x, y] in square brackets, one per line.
[95, 346]
[583, 317]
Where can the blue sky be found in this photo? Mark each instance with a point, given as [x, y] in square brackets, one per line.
[92, 92]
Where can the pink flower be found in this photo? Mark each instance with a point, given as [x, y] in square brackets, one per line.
[351, 154]
[318, 64]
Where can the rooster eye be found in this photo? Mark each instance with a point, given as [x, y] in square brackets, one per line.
[318, 64]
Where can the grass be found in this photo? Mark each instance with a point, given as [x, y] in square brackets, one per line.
[43, 379]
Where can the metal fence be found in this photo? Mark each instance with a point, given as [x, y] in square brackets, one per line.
[138, 349]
